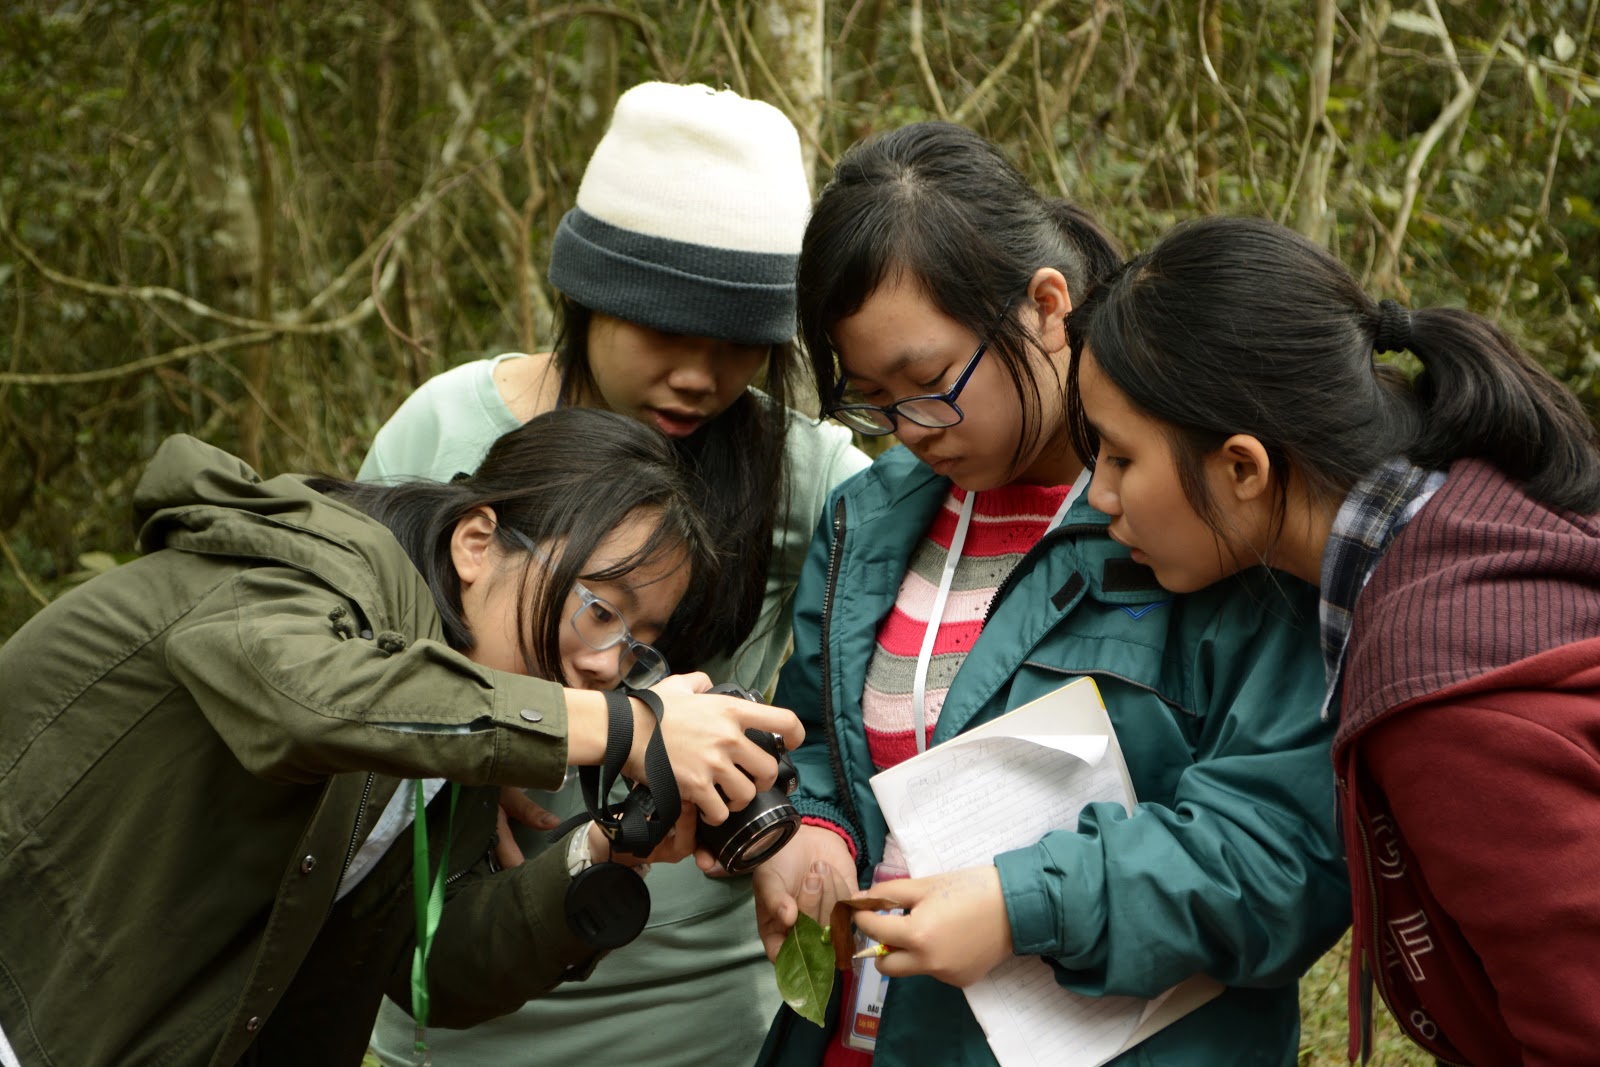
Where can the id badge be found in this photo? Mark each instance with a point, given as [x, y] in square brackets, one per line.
[871, 990]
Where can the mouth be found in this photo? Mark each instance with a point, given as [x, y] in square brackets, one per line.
[675, 422]
[1137, 554]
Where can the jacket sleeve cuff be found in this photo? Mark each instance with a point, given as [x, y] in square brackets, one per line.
[1046, 887]
[531, 732]
[822, 813]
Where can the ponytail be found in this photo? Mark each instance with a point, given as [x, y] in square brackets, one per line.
[1479, 395]
[1238, 325]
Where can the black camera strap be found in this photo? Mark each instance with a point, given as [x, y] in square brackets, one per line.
[639, 821]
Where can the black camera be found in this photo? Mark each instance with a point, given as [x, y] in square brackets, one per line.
[755, 833]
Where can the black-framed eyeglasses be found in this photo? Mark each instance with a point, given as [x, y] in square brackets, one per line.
[599, 624]
[935, 410]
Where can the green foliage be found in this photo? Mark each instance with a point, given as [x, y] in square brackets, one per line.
[267, 224]
[805, 968]
[378, 184]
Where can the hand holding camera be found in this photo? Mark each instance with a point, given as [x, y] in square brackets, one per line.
[721, 750]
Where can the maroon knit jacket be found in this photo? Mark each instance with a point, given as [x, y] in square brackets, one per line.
[1468, 757]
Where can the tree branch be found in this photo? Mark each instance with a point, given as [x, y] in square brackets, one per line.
[975, 103]
[1458, 107]
[920, 52]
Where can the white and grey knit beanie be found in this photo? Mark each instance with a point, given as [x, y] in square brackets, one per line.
[689, 217]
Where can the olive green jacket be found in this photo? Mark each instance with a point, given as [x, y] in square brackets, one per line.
[192, 749]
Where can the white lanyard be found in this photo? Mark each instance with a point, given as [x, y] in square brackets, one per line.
[919, 685]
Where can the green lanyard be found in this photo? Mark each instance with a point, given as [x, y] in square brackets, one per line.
[430, 904]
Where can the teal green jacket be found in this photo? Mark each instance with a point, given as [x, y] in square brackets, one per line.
[1229, 865]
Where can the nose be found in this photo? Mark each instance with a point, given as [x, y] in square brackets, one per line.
[1102, 495]
[599, 668]
[910, 434]
[694, 368]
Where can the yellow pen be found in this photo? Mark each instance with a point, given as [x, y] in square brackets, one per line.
[877, 951]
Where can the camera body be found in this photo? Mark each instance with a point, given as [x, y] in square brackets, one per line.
[758, 830]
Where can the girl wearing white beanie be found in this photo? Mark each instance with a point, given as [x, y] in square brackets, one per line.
[676, 276]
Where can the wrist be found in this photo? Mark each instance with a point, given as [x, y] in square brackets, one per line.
[644, 727]
[588, 727]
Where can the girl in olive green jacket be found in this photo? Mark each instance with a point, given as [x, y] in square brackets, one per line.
[201, 752]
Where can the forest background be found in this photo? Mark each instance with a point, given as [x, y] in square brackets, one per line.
[264, 222]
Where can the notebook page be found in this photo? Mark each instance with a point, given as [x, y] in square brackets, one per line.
[1000, 787]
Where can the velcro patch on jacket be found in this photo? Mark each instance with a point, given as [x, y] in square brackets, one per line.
[1123, 575]
[1068, 591]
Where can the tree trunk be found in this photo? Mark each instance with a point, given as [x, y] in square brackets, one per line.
[789, 35]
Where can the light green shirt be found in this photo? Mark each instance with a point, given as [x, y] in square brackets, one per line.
[695, 988]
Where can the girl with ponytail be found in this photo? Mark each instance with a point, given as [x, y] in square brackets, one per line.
[1226, 390]
[961, 577]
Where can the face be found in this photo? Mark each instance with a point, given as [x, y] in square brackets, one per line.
[673, 382]
[645, 597]
[1136, 483]
[899, 344]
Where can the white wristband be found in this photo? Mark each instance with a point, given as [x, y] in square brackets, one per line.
[578, 857]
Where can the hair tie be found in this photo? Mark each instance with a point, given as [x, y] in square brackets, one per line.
[1393, 333]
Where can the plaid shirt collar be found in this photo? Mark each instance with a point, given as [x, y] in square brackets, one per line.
[1375, 511]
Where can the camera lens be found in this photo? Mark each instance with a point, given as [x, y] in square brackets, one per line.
[760, 837]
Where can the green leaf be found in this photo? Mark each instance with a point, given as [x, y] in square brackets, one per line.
[805, 968]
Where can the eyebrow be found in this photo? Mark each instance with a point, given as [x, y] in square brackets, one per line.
[899, 363]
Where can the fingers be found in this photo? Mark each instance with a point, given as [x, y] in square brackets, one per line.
[679, 841]
[776, 908]
[811, 891]
[693, 682]
[774, 720]
[775, 914]
[713, 809]
[956, 928]
[506, 850]
[515, 805]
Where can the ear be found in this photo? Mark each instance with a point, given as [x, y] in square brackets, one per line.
[472, 545]
[1052, 300]
[1244, 468]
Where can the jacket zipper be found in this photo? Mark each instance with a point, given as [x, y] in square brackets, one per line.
[835, 757]
[355, 835]
[1050, 537]
[1373, 945]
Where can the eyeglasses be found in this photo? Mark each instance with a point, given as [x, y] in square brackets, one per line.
[932, 410]
[602, 626]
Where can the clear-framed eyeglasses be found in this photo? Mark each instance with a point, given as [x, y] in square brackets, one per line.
[601, 626]
[932, 410]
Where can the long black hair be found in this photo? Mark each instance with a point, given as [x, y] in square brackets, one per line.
[740, 485]
[572, 475]
[943, 206]
[1240, 325]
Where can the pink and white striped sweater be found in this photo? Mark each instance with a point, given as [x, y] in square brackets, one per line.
[1006, 523]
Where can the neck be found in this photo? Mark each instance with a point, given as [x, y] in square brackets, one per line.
[1307, 524]
[1055, 463]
